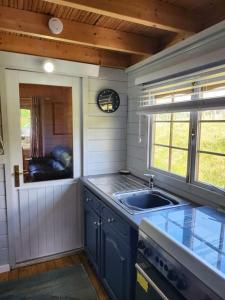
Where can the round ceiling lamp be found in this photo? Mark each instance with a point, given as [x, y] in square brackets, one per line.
[55, 25]
[48, 67]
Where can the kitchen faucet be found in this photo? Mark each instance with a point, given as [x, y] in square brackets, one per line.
[150, 180]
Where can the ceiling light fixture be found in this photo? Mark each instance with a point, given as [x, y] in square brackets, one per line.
[48, 67]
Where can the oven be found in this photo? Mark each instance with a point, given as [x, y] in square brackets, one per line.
[151, 285]
[159, 276]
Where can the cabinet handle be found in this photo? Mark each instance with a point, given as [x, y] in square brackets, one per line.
[110, 220]
[97, 223]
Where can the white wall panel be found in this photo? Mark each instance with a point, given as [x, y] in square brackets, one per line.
[3, 221]
[101, 145]
[110, 122]
[104, 168]
[93, 110]
[105, 134]
[97, 84]
[136, 152]
[50, 221]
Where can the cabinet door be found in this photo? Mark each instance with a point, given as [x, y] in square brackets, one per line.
[92, 236]
[115, 264]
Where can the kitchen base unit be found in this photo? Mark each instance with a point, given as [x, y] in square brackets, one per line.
[110, 244]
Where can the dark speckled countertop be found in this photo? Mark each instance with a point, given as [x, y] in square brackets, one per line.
[104, 186]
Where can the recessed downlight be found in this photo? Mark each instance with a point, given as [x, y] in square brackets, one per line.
[48, 67]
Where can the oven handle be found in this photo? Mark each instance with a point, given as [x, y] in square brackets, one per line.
[155, 287]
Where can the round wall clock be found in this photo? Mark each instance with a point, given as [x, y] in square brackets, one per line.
[108, 100]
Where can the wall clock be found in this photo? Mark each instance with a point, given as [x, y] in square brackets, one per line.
[108, 100]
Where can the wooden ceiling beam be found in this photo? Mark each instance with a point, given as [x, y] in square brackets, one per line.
[217, 13]
[36, 24]
[172, 39]
[152, 13]
[45, 48]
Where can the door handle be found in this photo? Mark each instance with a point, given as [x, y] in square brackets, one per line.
[17, 174]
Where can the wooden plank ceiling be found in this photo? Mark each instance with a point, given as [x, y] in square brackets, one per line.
[114, 33]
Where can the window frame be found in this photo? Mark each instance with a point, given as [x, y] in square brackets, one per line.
[183, 178]
[150, 155]
[195, 155]
[192, 150]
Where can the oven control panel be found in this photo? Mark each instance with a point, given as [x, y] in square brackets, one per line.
[179, 276]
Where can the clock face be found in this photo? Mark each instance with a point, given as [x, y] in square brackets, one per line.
[108, 100]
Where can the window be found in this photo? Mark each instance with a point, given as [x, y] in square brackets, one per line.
[170, 142]
[188, 128]
[210, 160]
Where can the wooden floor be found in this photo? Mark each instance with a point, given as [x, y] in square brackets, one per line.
[58, 263]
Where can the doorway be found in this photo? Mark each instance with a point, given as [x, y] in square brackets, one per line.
[44, 214]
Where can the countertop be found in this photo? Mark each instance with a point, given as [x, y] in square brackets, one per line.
[104, 186]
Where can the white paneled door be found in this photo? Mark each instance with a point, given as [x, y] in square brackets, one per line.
[44, 217]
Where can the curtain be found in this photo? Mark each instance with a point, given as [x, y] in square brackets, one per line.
[36, 133]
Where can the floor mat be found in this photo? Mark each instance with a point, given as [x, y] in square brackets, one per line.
[70, 283]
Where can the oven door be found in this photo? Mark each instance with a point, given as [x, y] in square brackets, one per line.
[151, 285]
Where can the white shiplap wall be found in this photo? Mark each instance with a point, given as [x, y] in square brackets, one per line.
[3, 221]
[105, 134]
[136, 152]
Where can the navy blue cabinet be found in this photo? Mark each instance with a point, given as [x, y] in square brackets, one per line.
[92, 236]
[110, 244]
[115, 263]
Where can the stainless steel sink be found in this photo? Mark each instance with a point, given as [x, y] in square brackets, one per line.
[140, 201]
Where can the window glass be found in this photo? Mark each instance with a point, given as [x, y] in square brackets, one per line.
[179, 162]
[161, 157]
[180, 134]
[162, 133]
[25, 121]
[210, 166]
[46, 132]
[170, 142]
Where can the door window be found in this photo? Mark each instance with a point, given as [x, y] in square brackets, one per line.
[46, 132]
